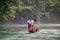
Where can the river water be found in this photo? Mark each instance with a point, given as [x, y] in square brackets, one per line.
[43, 34]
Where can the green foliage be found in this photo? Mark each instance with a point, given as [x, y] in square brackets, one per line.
[8, 8]
[47, 7]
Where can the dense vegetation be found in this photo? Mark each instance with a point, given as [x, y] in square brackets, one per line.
[10, 8]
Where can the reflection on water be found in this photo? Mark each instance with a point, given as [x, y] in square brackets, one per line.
[43, 34]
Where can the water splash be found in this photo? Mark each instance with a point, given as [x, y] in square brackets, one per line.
[43, 34]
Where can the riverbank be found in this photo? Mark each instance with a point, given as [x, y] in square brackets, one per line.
[24, 25]
[36, 25]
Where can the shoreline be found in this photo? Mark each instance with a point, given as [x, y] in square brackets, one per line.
[25, 25]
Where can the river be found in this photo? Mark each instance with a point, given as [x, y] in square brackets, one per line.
[22, 34]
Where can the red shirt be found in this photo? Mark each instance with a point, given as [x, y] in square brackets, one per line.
[30, 24]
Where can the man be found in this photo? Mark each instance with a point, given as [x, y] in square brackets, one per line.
[31, 28]
[30, 25]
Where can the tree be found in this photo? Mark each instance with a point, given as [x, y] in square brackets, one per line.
[8, 9]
